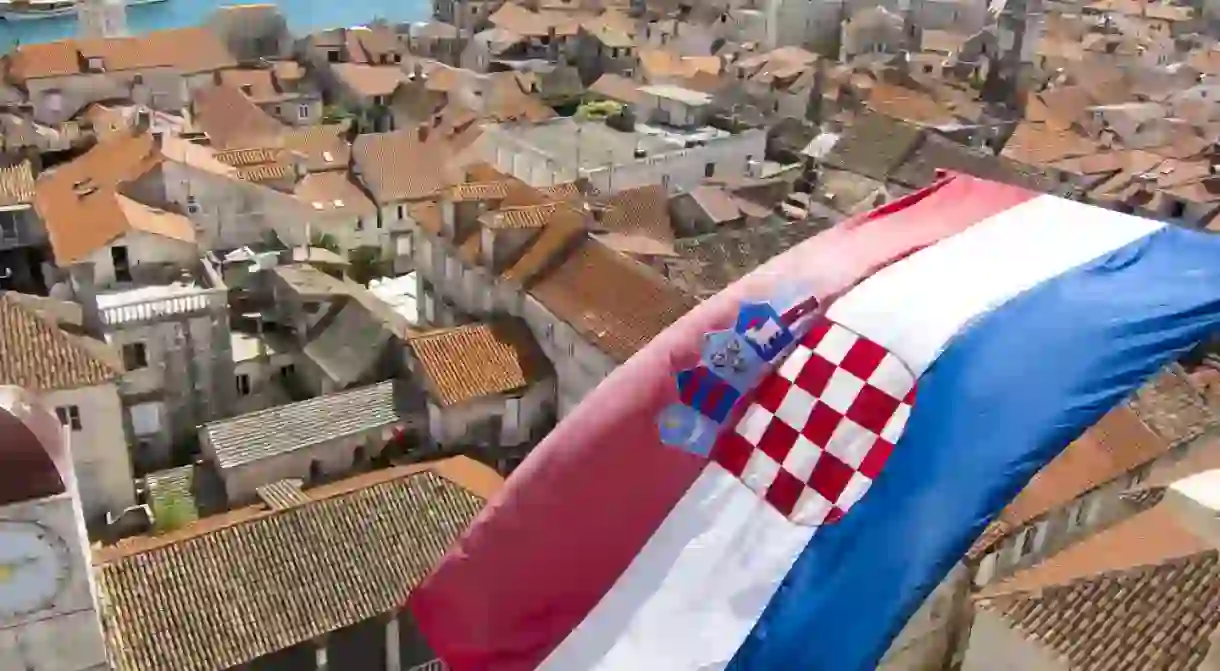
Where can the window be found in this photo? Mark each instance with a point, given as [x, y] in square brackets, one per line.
[302, 112]
[122, 266]
[192, 205]
[332, 56]
[709, 169]
[1178, 209]
[8, 227]
[1081, 517]
[146, 418]
[69, 415]
[359, 225]
[135, 356]
[243, 384]
[548, 331]
[1028, 537]
[286, 371]
[401, 212]
[1139, 475]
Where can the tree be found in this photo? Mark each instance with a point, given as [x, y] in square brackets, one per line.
[336, 113]
[366, 263]
[598, 110]
[324, 241]
[171, 511]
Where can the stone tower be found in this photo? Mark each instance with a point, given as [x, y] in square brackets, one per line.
[1018, 29]
[101, 18]
[48, 605]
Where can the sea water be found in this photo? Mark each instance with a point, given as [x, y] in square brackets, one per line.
[303, 16]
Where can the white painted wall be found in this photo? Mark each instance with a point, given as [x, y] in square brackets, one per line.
[99, 449]
[57, 99]
[994, 646]
[678, 170]
[142, 248]
[519, 416]
[336, 458]
[579, 366]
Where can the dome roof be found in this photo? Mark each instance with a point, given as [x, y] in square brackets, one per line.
[31, 443]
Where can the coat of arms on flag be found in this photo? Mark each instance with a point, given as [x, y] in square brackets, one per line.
[810, 429]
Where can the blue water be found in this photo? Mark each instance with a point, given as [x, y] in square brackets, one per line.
[303, 16]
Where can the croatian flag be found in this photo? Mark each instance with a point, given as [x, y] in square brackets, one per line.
[779, 479]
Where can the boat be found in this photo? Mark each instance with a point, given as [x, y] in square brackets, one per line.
[29, 10]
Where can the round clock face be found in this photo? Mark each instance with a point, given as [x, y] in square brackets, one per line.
[34, 568]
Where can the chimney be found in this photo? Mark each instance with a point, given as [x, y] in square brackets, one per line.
[421, 132]
[142, 122]
[85, 293]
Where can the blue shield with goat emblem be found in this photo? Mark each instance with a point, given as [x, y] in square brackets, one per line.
[761, 328]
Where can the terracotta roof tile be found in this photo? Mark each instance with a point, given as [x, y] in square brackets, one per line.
[617, 87]
[428, 215]
[369, 80]
[532, 216]
[561, 192]
[477, 191]
[231, 588]
[231, 120]
[478, 360]
[159, 222]
[399, 166]
[642, 211]
[1117, 444]
[659, 64]
[614, 302]
[1144, 594]
[257, 84]
[908, 104]
[1037, 144]
[36, 355]
[17, 184]
[324, 147]
[333, 191]
[559, 233]
[78, 200]
[190, 50]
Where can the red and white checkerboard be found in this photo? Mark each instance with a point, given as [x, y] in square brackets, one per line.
[820, 428]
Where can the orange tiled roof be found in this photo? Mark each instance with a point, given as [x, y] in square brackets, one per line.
[614, 302]
[78, 200]
[231, 120]
[640, 211]
[476, 191]
[1144, 594]
[478, 360]
[400, 166]
[37, 355]
[189, 50]
[234, 587]
[1117, 444]
[369, 80]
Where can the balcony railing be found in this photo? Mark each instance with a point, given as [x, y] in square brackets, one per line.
[434, 665]
[160, 308]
